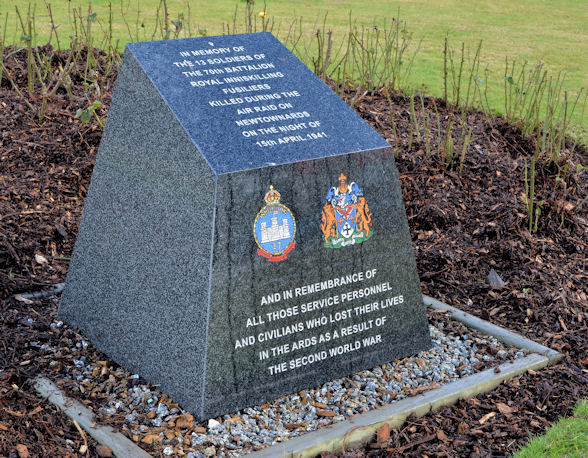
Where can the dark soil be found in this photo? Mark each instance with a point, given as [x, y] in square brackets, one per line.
[463, 225]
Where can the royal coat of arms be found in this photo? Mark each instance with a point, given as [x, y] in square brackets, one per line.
[274, 228]
[346, 218]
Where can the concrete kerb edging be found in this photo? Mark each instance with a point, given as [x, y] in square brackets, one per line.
[120, 445]
[356, 431]
[504, 335]
[359, 430]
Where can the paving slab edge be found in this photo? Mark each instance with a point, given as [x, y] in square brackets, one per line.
[120, 445]
[356, 431]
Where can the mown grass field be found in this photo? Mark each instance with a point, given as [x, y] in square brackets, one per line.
[555, 32]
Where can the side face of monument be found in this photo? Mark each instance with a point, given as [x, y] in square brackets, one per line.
[138, 280]
[244, 234]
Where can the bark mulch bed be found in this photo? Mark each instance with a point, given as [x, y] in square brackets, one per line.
[463, 225]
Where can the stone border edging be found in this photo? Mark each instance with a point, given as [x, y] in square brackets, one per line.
[55, 289]
[356, 431]
[504, 335]
[359, 430]
[120, 445]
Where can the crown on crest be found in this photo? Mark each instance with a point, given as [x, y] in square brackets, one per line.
[272, 196]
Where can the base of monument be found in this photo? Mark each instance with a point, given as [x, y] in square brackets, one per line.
[359, 430]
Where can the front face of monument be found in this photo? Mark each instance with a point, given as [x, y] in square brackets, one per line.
[244, 235]
[313, 277]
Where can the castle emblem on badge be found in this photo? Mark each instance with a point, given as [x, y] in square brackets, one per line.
[346, 218]
[274, 228]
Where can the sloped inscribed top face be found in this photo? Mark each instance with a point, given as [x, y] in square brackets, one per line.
[248, 102]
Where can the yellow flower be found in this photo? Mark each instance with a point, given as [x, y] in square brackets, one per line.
[262, 14]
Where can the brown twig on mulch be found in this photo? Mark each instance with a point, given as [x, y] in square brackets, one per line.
[463, 226]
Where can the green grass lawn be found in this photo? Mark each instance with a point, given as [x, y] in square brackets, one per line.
[554, 31]
[566, 438]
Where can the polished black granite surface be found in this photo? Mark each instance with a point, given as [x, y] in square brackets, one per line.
[230, 250]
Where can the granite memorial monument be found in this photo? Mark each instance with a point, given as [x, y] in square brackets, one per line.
[244, 234]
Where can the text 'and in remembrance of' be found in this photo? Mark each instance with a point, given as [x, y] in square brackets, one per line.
[346, 315]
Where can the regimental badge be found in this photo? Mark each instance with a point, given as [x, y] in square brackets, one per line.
[346, 218]
[274, 228]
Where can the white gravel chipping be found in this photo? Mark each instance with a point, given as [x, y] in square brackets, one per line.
[149, 413]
